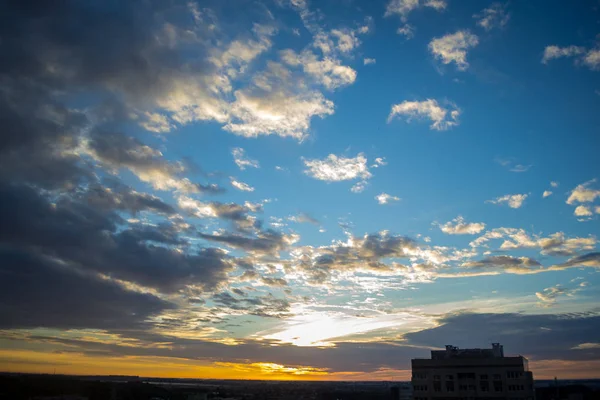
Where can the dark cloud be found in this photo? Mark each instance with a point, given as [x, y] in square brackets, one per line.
[38, 291]
[585, 260]
[509, 263]
[263, 306]
[123, 198]
[367, 252]
[89, 238]
[265, 242]
[116, 150]
[538, 337]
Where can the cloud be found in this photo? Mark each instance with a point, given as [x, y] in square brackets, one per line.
[592, 59]
[549, 295]
[44, 292]
[494, 16]
[328, 72]
[358, 253]
[116, 150]
[511, 164]
[379, 162]
[589, 58]
[404, 7]
[554, 184]
[242, 160]
[586, 260]
[238, 214]
[266, 242]
[513, 200]
[453, 48]
[554, 52]
[458, 226]
[244, 187]
[359, 187]
[441, 118]
[406, 30]
[385, 198]
[304, 218]
[547, 193]
[369, 61]
[583, 211]
[583, 193]
[510, 264]
[556, 244]
[335, 169]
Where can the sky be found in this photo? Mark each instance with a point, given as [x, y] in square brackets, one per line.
[296, 189]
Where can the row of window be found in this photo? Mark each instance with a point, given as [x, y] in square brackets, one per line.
[469, 375]
[514, 388]
[483, 387]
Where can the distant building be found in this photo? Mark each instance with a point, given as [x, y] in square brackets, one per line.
[402, 391]
[472, 374]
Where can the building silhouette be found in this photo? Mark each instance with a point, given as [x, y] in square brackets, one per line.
[472, 374]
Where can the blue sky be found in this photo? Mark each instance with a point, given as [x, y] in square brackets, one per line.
[267, 181]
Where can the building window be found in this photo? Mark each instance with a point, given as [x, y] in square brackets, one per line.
[466, 375]
[449, 386]
[420, 375]
[484, 386]
[471, 387]
[497, 386]
[497, 377]
[450, 377]
[436, 377]
[437, 386]
[420, 388]
[483, 377]
[462, 387]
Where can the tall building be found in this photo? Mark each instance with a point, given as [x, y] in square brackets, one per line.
[472, 374]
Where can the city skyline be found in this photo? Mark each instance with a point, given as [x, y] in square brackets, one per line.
[296, 189]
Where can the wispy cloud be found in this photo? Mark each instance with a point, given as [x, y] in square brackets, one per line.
[442, 118]
[459, 226]
[494, 16]
[453, 48]
[385, 198]
[369, 61]
[335, 168]
[242, 160]
[244, 187]
[513, 200]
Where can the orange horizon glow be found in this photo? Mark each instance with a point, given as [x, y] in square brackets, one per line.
[26, 361]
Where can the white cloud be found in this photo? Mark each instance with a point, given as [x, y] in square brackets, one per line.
[406, 30]
[278, 112]
[379, 162]
[369, 61]
[405, 7]
[553, 52]
[583, 193]
[155, 122]
[583, 211]
[554, 184]
[243, 161]
[513, 200]
[334, 168]
[385, 198]
[244, 187]
[546, 193]
[441, 118]
[549, 295]
[328, 72]
[494, 16]
[592, 59]
[359, 187]
[458, 226]
[453, 48]
[597, 210]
